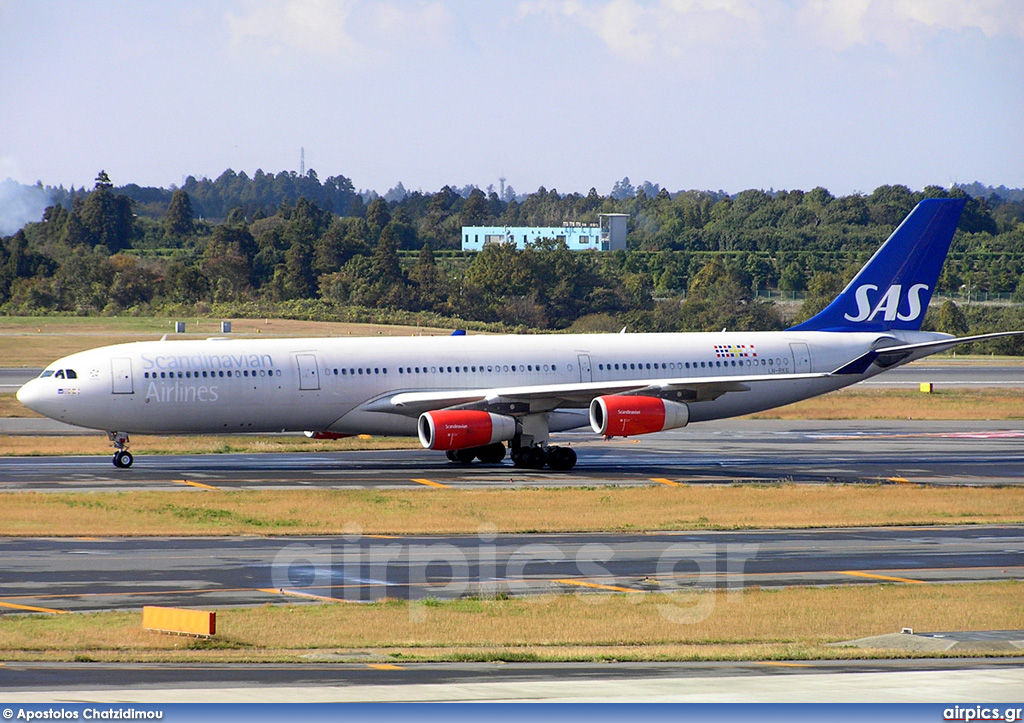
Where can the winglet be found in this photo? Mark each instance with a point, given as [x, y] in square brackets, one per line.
[893, 289]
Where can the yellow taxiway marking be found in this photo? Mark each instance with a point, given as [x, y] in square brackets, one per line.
[784, 665]
[384, 666]
[299, 593]
[429, 483]
[663, 481]
[899, 480]
[200, 485]
[856, 573]
[383, 537]
[613, 588]
[32, 608]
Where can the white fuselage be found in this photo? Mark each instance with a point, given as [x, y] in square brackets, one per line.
[327, 384]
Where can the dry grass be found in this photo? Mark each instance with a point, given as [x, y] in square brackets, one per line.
[438, 511]
[966, 403]
[793, 623]
[37, 341]
[11, 407]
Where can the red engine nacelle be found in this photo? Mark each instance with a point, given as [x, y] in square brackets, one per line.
[624, 416]
[327, 435]
[449, 429]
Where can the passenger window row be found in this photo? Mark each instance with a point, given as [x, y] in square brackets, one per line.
[216, 374]
[459, 369]
[473, 369]
[670, 366]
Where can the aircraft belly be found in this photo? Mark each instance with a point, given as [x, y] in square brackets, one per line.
[176, 411]
[769, 396]
[360, 421]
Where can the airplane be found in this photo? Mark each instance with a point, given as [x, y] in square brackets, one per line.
[469, 396]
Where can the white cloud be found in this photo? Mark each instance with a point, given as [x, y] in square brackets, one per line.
[642, 31]
[904, 25]
[311, 26]
[340, 29]
[669, 29]
[401, 23]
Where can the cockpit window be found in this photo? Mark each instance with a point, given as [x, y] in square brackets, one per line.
[59, 374]
[46, 373]
[71, 374]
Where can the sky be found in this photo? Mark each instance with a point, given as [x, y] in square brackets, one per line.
[565, 94]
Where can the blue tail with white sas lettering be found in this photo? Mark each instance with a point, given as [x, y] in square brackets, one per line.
[893, 289]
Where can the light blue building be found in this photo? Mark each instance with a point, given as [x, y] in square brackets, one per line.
[607, 235]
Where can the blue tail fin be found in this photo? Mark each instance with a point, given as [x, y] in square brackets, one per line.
[893, 289]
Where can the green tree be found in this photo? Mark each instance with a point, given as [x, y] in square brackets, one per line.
[431, 292]
[823, 287]
[951, 320]
[378, 215]
[103, 218]
[178, 219]
[720, 298]
[474, 210]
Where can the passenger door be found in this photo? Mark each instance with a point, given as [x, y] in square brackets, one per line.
[121, 373]
[309, 373]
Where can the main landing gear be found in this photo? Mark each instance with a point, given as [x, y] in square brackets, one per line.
[534, 457]
[488, 454]
[122, 457]
[557, 458]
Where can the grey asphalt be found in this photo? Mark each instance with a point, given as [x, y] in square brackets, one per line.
[729, 451]
[832, 681]
[86, 574]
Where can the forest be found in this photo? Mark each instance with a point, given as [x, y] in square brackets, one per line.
[291, 245]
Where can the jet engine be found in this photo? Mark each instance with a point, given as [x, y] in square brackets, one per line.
[327, 435]
[624, 416]
[449, 429]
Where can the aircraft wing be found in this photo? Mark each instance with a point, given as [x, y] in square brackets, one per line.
[547, 397]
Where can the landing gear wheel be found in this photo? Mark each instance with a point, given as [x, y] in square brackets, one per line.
[450, 454]
[561, 458]
[465, 456]
[532, 458]
[491, 453]
[123, 460]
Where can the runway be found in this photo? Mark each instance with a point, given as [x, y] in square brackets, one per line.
[831, 681]
[729, 451]
[86, 574]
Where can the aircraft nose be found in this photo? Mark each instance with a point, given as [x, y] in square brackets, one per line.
[30, 395]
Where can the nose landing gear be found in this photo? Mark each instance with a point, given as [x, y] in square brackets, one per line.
[122, 457]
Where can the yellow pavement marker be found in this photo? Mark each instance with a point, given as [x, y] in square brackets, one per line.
[856, 573]
[430, 483]
[663, 481]
[613, 588]
[196, 484]
[32, 608]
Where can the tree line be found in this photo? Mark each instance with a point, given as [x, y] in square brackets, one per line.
[292, 244]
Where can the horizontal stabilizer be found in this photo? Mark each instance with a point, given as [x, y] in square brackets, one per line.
[890, 356]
